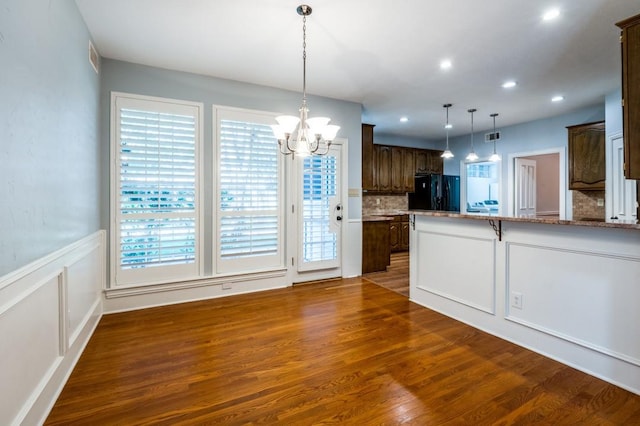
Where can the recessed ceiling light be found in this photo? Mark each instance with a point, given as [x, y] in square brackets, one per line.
[403, 119]
[550, 15]
[445, 64]
[509, 84]
[557, 99]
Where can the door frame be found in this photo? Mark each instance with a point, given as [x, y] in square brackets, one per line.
[292, 221]
[611, 174]
[519, 163]
[564, 195]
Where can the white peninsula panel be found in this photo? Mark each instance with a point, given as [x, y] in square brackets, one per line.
[457, 264]
[567, 290]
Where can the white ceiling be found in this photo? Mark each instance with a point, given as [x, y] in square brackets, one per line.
[385, 54]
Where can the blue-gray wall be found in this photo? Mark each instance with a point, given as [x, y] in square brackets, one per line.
[118, 76]
[524, 137]
[49, 149]
[613, 110]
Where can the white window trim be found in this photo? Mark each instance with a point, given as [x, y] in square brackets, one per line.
[244, 265]
[113, 194]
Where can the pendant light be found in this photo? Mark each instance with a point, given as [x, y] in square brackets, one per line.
[447, 152]
[494, 157]
[472, 156]
[301, 135]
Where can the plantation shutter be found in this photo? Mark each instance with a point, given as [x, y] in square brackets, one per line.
[157, 190]
[249, 193]
[319, 188]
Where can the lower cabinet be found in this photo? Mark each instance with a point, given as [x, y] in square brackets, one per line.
[375, 245]
[399, 234]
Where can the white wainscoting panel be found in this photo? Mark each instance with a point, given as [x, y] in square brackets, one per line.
[582, 296]
[31, 345]
[48, 312]
[458, 267]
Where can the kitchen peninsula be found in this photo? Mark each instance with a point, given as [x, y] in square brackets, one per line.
[568, 290]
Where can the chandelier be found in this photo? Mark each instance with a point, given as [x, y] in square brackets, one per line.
[447, 152]
[304, 136]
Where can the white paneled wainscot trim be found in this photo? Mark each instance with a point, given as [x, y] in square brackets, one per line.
[568, 292]
[48, 311]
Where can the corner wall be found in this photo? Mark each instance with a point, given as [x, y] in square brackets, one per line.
[49, 146]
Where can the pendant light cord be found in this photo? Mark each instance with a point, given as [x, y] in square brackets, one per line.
[304, 59]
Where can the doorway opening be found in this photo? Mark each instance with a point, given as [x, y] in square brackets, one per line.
[537, 184]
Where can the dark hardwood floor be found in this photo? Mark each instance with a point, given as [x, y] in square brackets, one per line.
[342, 351]
[396, 277]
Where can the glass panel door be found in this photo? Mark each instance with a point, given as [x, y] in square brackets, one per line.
[320, 213]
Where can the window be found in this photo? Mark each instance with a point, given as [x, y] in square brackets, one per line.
[248, 182]
[155, 202]
[320, 189]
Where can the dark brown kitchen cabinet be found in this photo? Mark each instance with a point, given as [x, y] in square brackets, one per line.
[428, 161]
[397, 169]
[402, 169]
[369, 159]
[399, 233]
[587, 167]
[408, 169]
[375, 245]
[383, 171]
[394, 236]
[404, 235]
[391, 169]
[630, 40]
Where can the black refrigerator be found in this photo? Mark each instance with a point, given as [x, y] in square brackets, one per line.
[436, 192]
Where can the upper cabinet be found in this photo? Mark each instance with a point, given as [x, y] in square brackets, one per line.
[587, 167]
[369, 159]
[428, 161]
[630, 40]
[391, 169]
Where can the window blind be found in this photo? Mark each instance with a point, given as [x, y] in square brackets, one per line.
[249, 204]
[157, 186]
[319, 187]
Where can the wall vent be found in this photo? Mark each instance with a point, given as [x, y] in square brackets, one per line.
[94, 58]
[492, 136]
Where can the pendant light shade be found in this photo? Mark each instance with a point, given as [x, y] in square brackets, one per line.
[300, 135]
[447, 152]
[494, 157]
[472, 156]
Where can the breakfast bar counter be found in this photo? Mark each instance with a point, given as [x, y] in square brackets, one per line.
[567, 289]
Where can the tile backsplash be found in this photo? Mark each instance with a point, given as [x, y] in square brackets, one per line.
[585, 205]
[370, 204]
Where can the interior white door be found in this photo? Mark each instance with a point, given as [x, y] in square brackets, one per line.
[320, 212]
[525, 187]
[624, 191]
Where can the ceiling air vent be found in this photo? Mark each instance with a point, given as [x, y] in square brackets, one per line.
[492, 136]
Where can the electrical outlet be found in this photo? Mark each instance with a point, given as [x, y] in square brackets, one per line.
[600, 202]
[378, 201]
[516, 300]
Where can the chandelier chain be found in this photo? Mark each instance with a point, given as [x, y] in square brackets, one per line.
[304, 58]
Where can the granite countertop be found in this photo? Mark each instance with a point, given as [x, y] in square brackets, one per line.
[548, 221]
[378, 215]
[376, 218]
